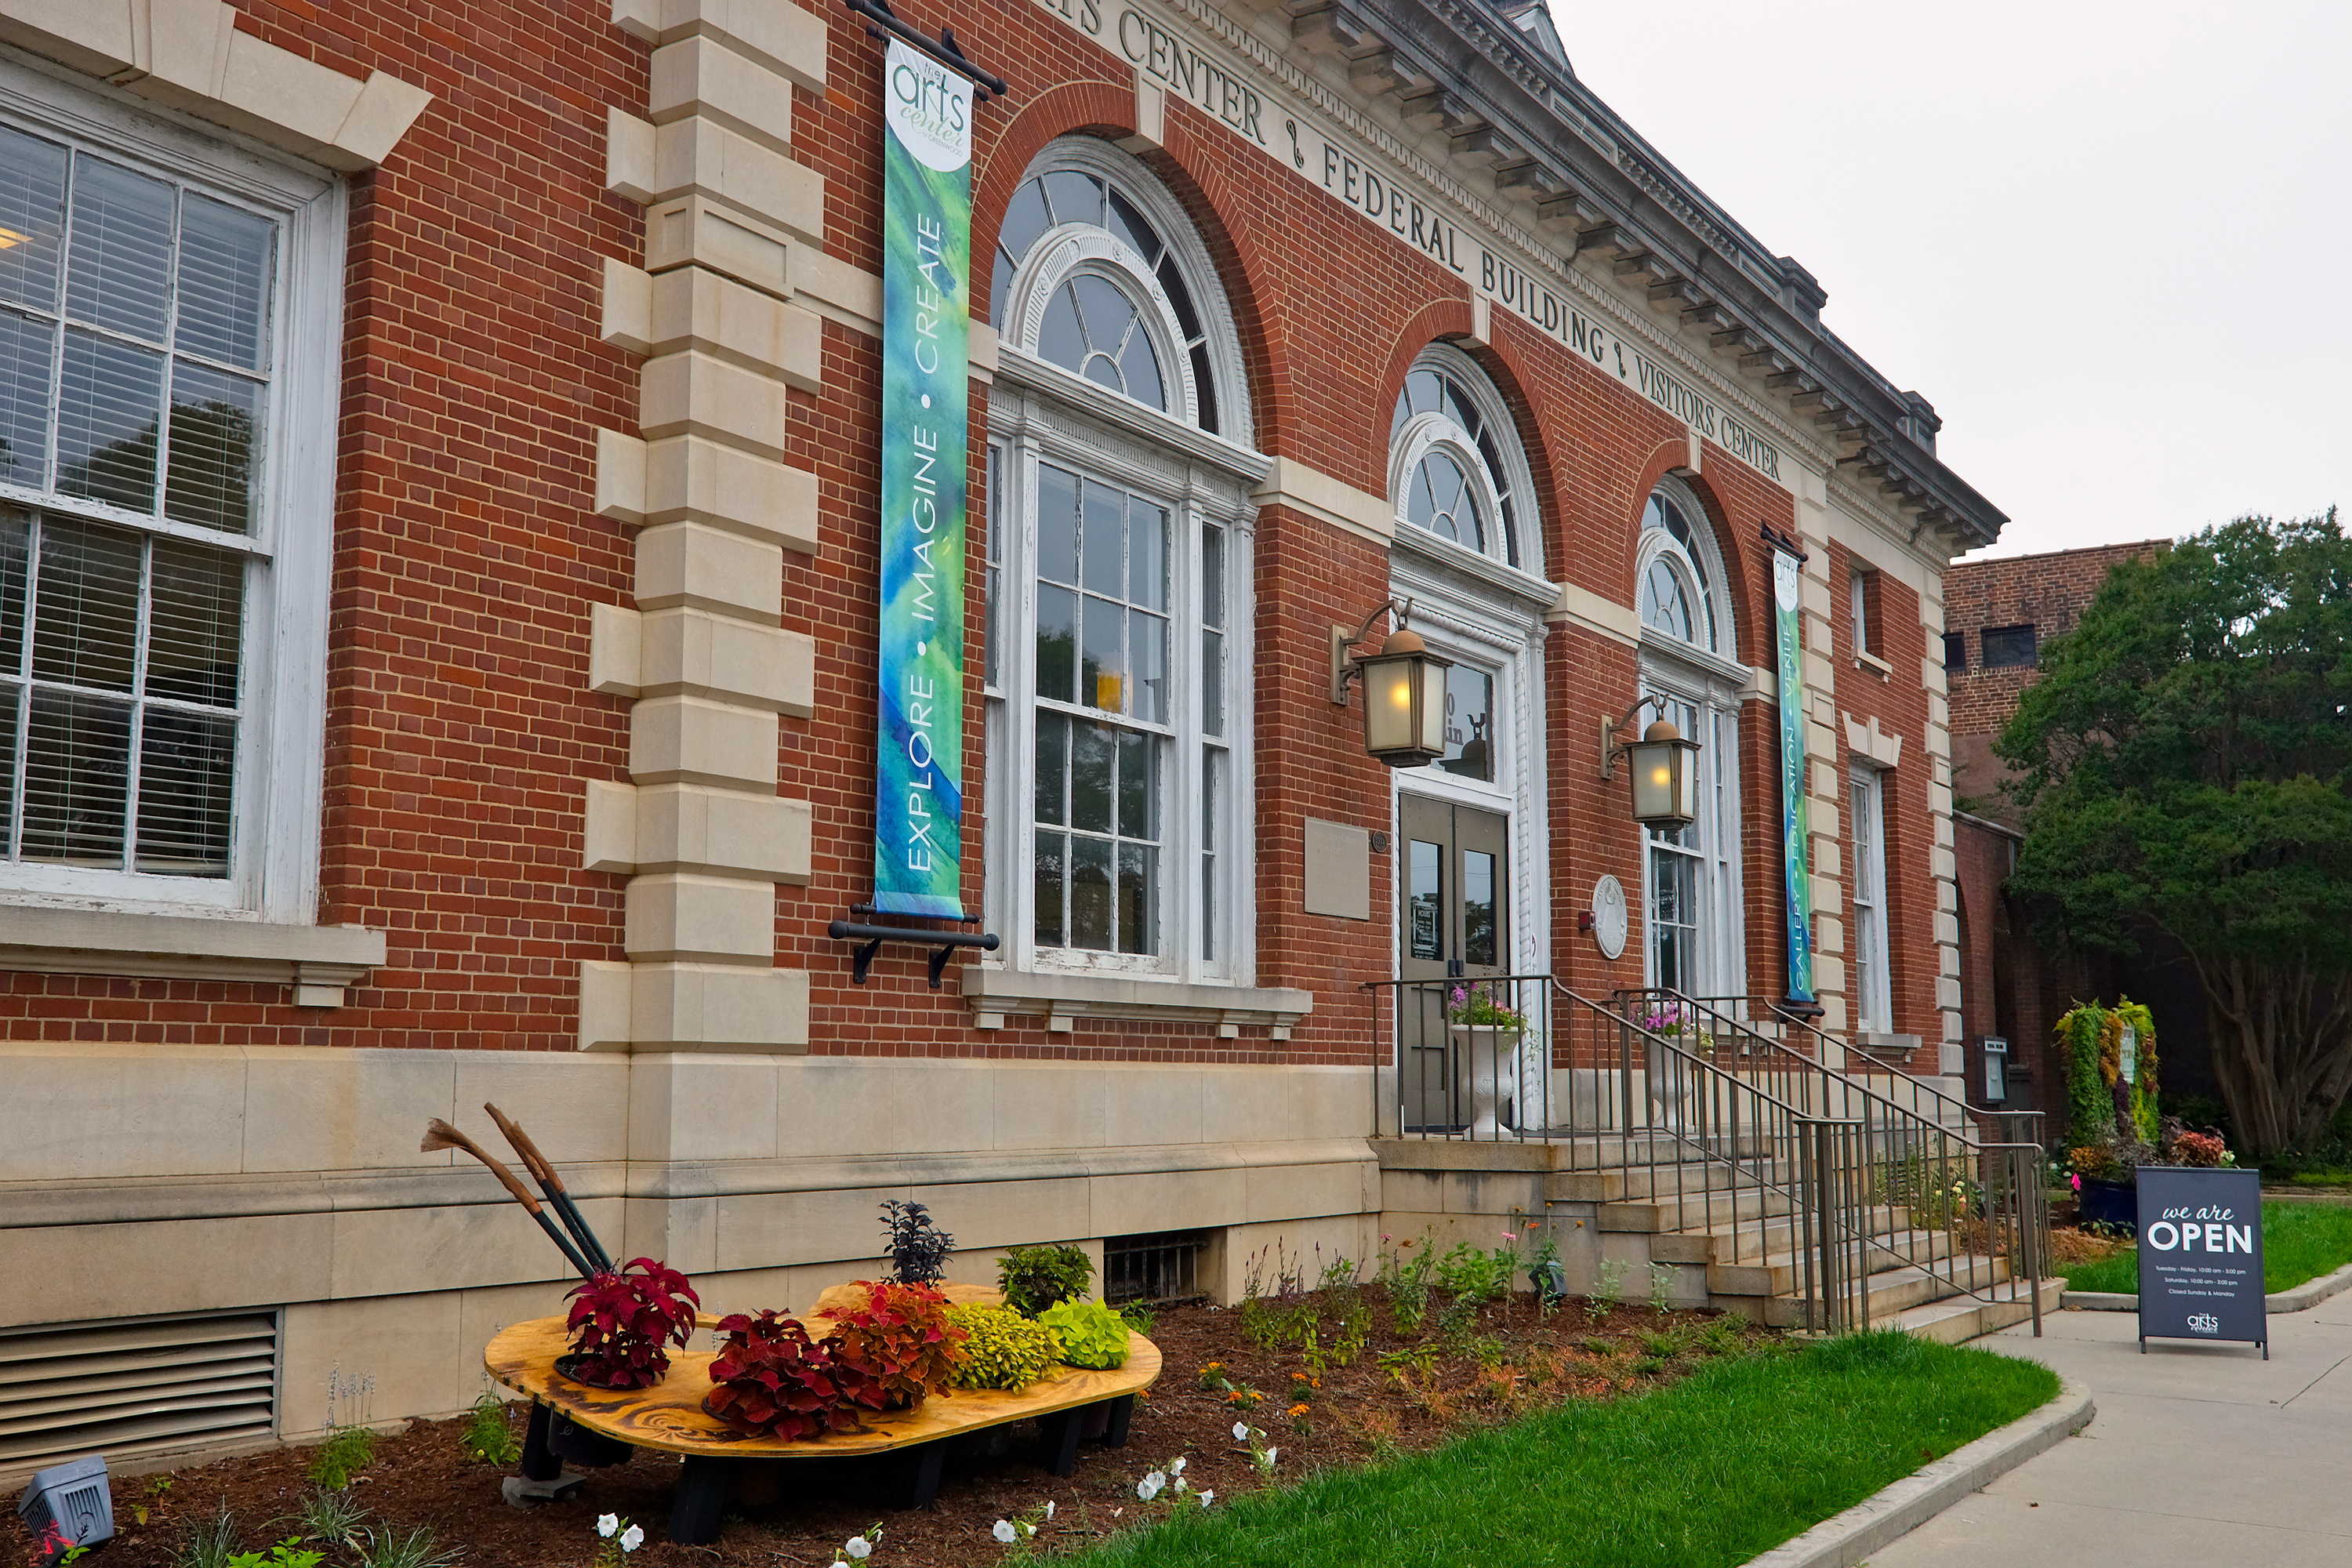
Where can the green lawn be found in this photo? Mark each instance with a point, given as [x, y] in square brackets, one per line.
[2300, 1242]
[1704, 1474]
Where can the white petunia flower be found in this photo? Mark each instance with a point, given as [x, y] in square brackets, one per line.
[1208, 1495]
[1049, 1508]
[631, 1538]
[1005, 1531]
[1241, 1434]
[1271, 1456]
[1148, 1486]
[1176, 1465]
[857, 1549]
[608, 1523]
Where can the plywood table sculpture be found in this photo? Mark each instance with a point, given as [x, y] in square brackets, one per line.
[668, 1418]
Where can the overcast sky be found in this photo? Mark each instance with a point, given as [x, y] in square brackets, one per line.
[2112, 244]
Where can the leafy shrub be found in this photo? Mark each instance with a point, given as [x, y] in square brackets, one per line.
[1482, 1275]
[1092, 1335]
[1002, 1348]
[917, 1249]
[902, 1338]
[774, 1381]
[489, 1435]
[344, 1454]
[1034, 1277]
[623, 1323]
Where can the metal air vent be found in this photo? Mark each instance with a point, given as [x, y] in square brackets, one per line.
[135, 1384]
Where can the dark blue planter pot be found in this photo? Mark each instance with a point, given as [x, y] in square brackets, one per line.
[2108, 1203]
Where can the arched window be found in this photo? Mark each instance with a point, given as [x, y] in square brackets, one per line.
[1691, 875]
[1455, 466]
[1117, 580]
[1677, 591]
[1097, 322]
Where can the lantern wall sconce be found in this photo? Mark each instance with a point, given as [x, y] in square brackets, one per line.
[1404, 690]
[1664, 763]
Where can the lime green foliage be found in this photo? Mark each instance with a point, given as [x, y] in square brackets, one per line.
[1033, 1277]
[346, 1452]
[1139, 1318]
[1706, 1474]
[1004, 1349]
[2300, 1241]
[287, 1553]
[489, 1435]
[2185, 767]
[1092, 1335]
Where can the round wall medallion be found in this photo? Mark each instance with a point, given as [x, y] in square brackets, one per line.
[1609, 917]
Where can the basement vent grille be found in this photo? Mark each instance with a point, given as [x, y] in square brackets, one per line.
[135, 1384]
[1159, 1267]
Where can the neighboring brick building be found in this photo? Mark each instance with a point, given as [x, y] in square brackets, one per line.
[1998, 615]
[468, 422]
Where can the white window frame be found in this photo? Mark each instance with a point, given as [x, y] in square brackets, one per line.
[1873, 989]
[1508, 543]
[1710, 683]
[1858, 606]
[1042, 413]
[277, 813]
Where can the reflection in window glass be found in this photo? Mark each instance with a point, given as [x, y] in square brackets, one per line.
[1478, 942]
[1424, 899]
[1469, 723]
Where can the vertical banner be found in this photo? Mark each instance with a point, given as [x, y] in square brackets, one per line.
[926, 328]
[1796, 817]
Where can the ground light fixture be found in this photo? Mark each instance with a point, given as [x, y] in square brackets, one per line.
[1664, 767]
[1404, 690]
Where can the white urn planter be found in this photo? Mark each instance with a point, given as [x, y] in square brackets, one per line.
[1494, 1061]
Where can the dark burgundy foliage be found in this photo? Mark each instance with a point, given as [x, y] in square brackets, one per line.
[624, 1323]
[774, 1381]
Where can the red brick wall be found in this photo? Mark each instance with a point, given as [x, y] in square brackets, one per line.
[461, 731]
[460, 727]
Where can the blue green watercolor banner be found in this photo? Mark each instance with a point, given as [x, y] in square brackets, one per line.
[1796, 817]
[926, 329]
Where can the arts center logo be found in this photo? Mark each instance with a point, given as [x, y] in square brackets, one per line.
[2204, 1324]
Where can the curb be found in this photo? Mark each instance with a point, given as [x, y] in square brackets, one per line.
[1846, 1538]
[2310, 1293]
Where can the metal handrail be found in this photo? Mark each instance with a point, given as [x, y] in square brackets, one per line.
[1700, 1141]
[1900, 1146]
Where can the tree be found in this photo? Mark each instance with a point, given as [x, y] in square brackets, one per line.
[2185, 763]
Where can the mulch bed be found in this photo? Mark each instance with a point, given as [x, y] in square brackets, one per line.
[1510, 1361]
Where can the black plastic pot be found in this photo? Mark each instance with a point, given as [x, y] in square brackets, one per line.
[2108, 1203]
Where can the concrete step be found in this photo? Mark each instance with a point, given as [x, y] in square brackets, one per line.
[1780, 1233]
[1958, 1318]
[1695, 1211]
[1894, 1292]
[1778, 1274]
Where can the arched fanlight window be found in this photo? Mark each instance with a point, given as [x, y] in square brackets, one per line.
[1677, 583]
[1455, 466]
[1098, 323]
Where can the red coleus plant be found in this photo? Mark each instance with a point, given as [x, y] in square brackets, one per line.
[774, 1381]
[623, 1323]
[903, 1339]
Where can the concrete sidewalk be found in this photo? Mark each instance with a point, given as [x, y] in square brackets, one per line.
[2199, 1455]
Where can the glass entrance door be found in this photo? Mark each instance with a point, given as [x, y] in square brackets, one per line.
[1454, 914]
